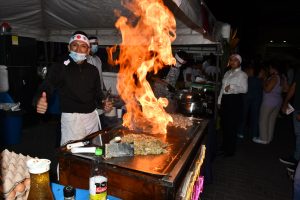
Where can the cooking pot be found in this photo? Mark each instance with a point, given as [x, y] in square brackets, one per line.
[189, 102]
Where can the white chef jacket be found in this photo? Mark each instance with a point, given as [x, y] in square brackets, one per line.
[95, 60]
[238, 81]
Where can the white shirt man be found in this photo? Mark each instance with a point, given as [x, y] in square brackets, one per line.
[230, 101]
[237, 80]
[93, 59]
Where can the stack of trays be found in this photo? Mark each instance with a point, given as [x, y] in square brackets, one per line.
[15, 178]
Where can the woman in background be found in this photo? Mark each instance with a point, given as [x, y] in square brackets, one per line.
[271, 103]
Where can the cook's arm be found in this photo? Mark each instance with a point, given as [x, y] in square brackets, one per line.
[46, 89]
[220, 96]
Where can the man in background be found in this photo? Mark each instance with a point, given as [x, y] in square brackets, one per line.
[93, 59]
[230, 101]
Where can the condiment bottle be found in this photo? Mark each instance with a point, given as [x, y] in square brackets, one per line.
[69, 193]
[98, 178]
[39, 179]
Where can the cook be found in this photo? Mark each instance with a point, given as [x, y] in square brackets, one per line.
[174, 72]
[165, 87]
[80, 93]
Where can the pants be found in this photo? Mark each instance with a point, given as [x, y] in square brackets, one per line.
[76, 126]
[297, 183]
[297, 135]
[267, 120]
[231, 114]
[251, 107]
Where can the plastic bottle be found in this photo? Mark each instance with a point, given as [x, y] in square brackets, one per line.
[69, 193]
[98, 178]
[39, 179]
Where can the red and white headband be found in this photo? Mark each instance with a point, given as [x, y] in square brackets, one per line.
[79, 37]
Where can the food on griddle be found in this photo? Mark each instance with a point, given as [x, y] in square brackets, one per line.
[145, 145]
[181, 121]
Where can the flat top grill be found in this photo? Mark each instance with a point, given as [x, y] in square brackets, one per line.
[178, 140]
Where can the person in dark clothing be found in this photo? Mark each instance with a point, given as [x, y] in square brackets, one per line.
[251, 105]
[294, 93]
[77, 83]
[293, 162]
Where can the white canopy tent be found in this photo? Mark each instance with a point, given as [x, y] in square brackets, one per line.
[56, 20]
[197, 30]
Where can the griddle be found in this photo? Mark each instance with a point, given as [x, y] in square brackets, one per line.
[179, 141]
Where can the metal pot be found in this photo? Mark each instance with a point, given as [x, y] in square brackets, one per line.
[189, 102]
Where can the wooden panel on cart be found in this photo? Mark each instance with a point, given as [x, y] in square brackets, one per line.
[126, 184]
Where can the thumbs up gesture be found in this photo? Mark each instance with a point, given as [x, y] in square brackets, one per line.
[42, 104]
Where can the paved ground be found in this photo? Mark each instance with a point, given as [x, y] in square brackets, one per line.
[253, 173]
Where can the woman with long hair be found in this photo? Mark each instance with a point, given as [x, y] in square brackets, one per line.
[271, 103]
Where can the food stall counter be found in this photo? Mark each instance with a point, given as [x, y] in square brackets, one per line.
[142, 176]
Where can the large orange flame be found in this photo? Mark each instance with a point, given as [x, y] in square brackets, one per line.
[145, 47]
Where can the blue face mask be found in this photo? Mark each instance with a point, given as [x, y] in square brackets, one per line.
[94, 48]
[77, 57]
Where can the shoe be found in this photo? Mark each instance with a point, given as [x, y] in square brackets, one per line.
[259, 141]
[289, 161]
[240, 136]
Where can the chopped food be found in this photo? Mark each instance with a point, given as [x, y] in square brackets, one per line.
[181, 121]
[145, 145]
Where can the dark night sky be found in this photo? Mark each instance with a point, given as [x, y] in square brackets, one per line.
[259, 21]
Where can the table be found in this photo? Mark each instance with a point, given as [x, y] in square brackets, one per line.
[81, 194]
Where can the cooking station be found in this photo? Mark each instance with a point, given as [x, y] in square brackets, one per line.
[162, 176]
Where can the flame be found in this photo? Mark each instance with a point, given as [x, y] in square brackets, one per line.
[145, 47]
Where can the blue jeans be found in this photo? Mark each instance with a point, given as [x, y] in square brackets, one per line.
[297, 135]
[297, 183]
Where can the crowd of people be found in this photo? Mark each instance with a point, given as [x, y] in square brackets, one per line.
[262, 88]
[253, 94]
[252, 98]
